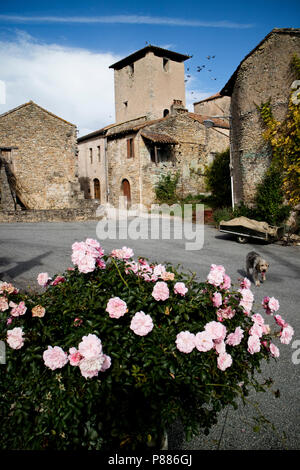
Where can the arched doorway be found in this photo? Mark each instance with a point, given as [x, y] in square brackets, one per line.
[97, 189]
[125, 187]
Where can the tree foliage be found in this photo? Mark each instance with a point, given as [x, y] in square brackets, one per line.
[217, 178]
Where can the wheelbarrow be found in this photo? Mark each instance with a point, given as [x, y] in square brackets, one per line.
[245, 229]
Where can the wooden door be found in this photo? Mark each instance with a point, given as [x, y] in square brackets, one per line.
[97, 189]
[126, 192]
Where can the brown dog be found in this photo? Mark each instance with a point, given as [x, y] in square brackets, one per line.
[257, 265]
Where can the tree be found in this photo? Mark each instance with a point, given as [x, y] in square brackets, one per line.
[217, 179]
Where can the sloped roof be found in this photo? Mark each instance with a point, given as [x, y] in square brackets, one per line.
[158, 51]
[159, 138]
[210, 98]
[94, 134]
[38, 106]
[218, 122]
[228, 88]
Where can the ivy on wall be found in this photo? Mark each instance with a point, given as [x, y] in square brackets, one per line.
[284, 138]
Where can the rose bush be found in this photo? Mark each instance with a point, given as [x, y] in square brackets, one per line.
[115, 350]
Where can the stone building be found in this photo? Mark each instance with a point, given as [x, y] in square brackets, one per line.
[38, 160]
[215, 105]
[264, 74]
[153, 133]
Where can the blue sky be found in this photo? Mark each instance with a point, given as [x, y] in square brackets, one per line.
[57, 53]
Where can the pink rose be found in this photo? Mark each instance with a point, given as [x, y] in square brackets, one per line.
[55, 358]
[256, 330]
[3, 304]
[167, 276]
[245, 283]
[220, 347]
[265, 304]
[100, 263]
[15, 338]
[141, 324]
[122, 253]
[247, 300]
[280, 321]
[234, 339]
[58, 280]
[217, 299]
[216, 275]
[257, 318]
[17, 309]
[90, 346]
[86, 264]
[253, 344]
[274, 350]
[161, 291]
[116, 307]
[266, 329]
[216, 330]
[74, 357]
[180, 288]
[43, 279]
[91, 367]
[224, 361]
[106, 363]
[203, 341]
[185, 341]
[226, 283]
[225, 313]
[286, 334]
[273, 304]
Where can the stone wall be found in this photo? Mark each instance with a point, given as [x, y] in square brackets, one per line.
[195, 149]
[265, 74]
[91, 164]
[43, 157]
[55, 215]
[218, 106]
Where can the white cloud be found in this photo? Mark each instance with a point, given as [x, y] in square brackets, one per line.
[125, 19]
[76, 84]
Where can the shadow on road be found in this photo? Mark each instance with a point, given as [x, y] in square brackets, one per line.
[21, 266]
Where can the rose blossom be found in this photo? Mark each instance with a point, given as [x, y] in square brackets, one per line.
[58, 280]
[185, 341]
[225, 313]
[220, 347]
[226, 283]
[180, 288]
[122, 253]
[15, 338]
[247, 300]
[116, 307]
[233, 339]
[273, 304]
[74, 357]
[106, 363]
[266, 329]
[43, 279]
[160, 291]
[224, 361]
[256, 330]
[286, 334]
[280, 321]
[55, 358]
[17, 309]
[8, 287]
[245, 283]
[86, 264]
[203, 341]
[216, 330]
[217, 299]
[91, 367]
[257, 318]
[141, 324]
[90, 346]
[216, 275]
[3, 304]
[159, 270]
[274, 350]
[167, 276]
[253, 344]
[38, 311]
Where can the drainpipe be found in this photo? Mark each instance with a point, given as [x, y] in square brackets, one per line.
[106, 169]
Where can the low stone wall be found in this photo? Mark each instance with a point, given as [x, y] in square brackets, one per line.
[51, 215]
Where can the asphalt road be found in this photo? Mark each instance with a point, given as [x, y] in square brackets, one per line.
[28, 249]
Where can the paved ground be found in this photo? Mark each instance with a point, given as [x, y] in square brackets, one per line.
[27, 249]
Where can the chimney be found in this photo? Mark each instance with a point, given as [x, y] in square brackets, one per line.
[177, 107]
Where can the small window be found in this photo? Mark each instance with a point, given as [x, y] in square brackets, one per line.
[166, 63]
[130, 148]
[166, 112]
[99, 153]
[91, 155]
[125, 103]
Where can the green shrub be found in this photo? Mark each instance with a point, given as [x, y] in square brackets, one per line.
[217, 178]
[224, 213]
[165, 188]
[133, 381]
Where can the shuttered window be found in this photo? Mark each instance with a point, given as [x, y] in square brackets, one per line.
[130, 148]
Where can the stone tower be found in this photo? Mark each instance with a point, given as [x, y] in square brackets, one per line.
[147, 82]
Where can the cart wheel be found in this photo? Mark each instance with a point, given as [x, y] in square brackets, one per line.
[241, 239]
